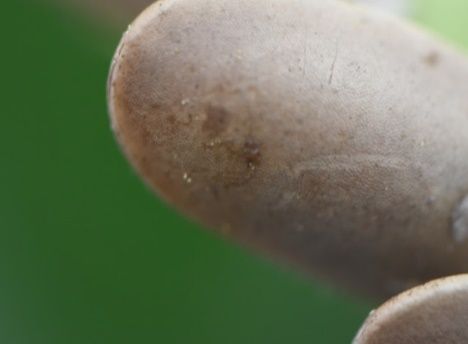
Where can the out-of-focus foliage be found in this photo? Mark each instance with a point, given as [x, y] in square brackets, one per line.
[448, 18]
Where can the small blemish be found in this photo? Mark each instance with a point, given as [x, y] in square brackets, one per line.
[216, 120]
[432, 59]
[251, 153]
[187, 178]
[171, 119]
[332, 68]
[460, 222]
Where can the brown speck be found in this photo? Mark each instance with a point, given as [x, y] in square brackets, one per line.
[171, 119]
[343, 134]
[214, 191]
[216, 120]
[155, 107]
[432, 59]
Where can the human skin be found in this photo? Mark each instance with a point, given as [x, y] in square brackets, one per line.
[320, 133]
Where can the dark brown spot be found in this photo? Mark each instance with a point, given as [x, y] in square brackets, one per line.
[239, 161]
[155, 106]
[432, 59]
[216, 120]
[171, 119]
[215, 192]
[172, 124]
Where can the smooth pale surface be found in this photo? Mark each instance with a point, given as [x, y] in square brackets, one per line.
[321, 133]
[435, 313]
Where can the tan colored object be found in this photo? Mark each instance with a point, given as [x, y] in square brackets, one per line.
[434, 313]
[321, 133]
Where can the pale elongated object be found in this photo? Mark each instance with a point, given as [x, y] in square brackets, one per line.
[324, 134]
[435, 313]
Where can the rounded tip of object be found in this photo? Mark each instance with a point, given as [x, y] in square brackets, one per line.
[436, 312]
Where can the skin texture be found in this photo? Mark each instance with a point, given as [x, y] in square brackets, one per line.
[320, 133]
[435, 313]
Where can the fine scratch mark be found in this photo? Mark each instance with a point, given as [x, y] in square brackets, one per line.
[304, 65]
[332, 68]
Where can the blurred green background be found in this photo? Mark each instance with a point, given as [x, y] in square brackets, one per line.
[87, 253]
